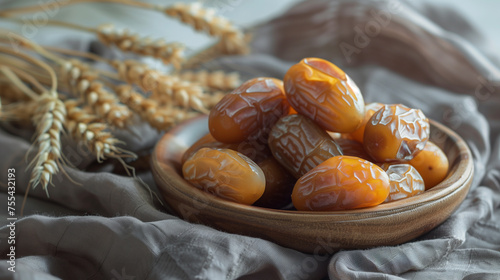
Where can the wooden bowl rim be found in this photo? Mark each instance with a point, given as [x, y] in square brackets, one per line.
[456, 179]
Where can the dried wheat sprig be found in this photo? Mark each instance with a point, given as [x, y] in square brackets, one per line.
[87, 128]
[49, 118]
[217, 80]
[149, 110]
[131, 42]
[49, 6]
[167, 89]
[232, 39]
[211, 99]
[86, 84]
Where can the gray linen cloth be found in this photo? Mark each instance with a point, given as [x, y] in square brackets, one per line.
[111, 227]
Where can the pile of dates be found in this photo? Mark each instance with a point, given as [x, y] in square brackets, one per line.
[312, 141]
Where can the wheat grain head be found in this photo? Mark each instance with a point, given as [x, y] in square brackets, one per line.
[86, 84]
[49, 118]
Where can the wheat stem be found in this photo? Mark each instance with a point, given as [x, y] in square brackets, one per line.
[33, 71]
[37, 62]
[21, 111]
[47, 6]
[16, 81]
[10, 93]
[81, 54]
[23, 42]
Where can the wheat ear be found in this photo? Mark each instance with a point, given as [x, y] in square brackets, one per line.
[168, 90]
[87, 128]
[131, 42]
[149, 110]
[216, 80]
[92, 91]
[232, 40]
[49, 118]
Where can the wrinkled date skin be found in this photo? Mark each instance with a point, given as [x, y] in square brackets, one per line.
[353, 148]
[396, 133]
[405, 181]
[256, 150]
[249, 111]
[370, 109]
[299, 144]
[225, 173]
[279, 185]
[318, 89]
[341, 183]
[432, 164]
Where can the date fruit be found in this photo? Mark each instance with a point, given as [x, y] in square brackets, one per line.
[256, 150]
[299, 144]
[370, 109]
[432, 164]
[321, 91]
[396, 133]
[249, 111]
[353, 148]
[405, 181]
[279, 185]
[225, 173]
[341, 183]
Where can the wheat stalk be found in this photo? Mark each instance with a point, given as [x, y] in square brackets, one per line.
[10, 93]
[102, 102]
[216, 80]
[87, 128]
[168, 90]
[49, 118]
[131, 42]
[21, 112]
[149, 110]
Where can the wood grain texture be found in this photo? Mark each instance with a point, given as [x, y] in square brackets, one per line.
[314, 232]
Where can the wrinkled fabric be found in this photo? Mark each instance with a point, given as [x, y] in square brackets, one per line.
[100, 225]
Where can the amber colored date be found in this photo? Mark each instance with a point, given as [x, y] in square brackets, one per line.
[370, 109]
[405, 181]
[432, 164]
[396, 133]
[249, 111]
[341, 183]
[352, 148]
[279, 185]
[225, 173]
[256, 150]
[318, 89]
[299, 144]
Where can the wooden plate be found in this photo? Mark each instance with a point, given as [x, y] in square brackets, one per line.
[314, 232]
